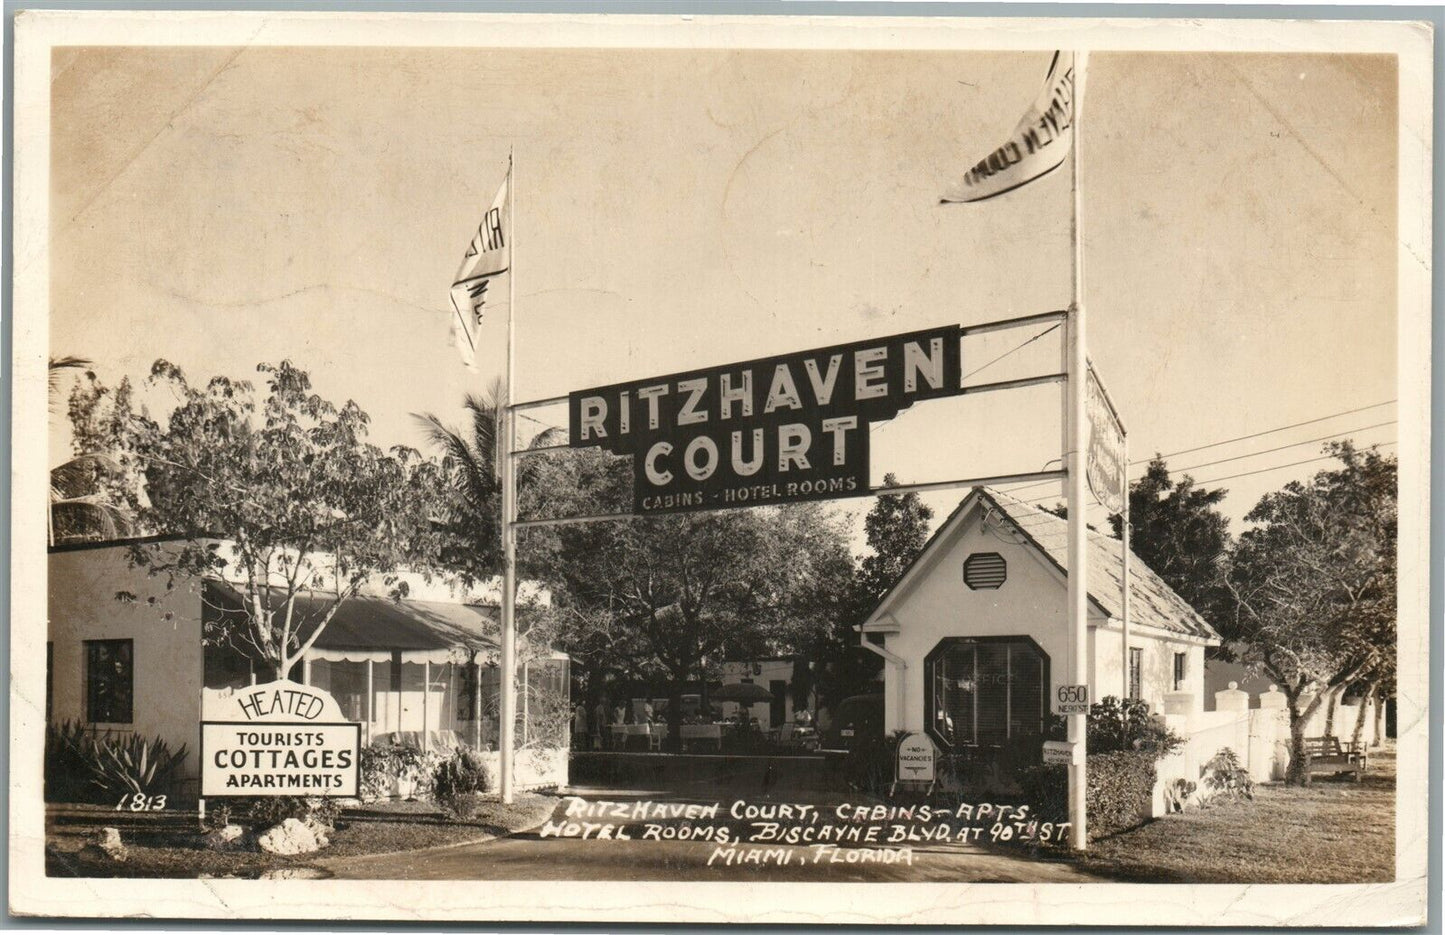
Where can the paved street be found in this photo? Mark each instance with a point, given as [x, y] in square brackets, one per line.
[526, 856]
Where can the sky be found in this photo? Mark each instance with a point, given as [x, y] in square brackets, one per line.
[682, 208]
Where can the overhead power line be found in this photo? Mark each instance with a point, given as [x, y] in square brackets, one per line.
[1240, 438]
[1237, 438]
[1277, 467]
[1215, 480]
[1254, 454]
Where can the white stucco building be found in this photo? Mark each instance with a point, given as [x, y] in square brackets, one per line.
[774, 673]
[975, 633]
[421, 671]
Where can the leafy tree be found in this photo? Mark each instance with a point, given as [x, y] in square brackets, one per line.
[308, 504]
[1061, 510]
[471, 516]
[896, 530]
[1177, 530]
[90, 496]
[654, 597]
[1314, 584]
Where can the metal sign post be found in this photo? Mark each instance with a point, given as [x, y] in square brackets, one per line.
[1078, 576]
[507, 683]
[1075, 458]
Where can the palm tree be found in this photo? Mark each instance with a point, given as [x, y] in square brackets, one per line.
[471, 457]
[75, 496]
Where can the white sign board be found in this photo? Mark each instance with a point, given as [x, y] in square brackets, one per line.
[1071, 699]
[1105, 466]
[280, 738]
[1061, 752]
[916, 758]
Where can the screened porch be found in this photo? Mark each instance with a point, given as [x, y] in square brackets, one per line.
[422, 673]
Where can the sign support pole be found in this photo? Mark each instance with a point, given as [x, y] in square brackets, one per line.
[507, 727]
[1124, 559]
[1078, 578]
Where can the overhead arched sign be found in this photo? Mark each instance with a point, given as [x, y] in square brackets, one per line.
[773, 430]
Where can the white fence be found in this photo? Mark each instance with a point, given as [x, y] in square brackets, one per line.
[1259, 737]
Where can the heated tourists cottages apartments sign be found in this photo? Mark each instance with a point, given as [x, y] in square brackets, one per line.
[280, 738]
[766, 431]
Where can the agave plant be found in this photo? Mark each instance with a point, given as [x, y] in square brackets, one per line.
[136, 765]
[68, 759]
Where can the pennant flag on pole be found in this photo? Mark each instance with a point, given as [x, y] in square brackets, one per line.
[1037, 145]
[488, 254]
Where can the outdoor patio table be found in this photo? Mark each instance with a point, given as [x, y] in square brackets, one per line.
[622, 734]
[695, 732]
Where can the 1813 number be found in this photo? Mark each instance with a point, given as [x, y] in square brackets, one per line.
[140, 802]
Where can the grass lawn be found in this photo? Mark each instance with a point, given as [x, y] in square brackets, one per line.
[164, 844]
[1333, 831]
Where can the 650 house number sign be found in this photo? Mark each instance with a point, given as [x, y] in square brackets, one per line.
[774, 430]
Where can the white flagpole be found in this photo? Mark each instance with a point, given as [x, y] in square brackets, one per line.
[1078, 592]
[507, 686]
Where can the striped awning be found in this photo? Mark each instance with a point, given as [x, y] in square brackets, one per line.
[373, 628]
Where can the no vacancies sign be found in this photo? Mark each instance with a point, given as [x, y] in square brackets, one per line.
[764, 431]
[280, 738]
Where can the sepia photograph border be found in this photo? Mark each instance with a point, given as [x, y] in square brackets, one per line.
[1400, 903]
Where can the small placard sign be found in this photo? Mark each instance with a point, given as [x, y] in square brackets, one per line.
[1059, 752]
[916, 758]
[1071, 699]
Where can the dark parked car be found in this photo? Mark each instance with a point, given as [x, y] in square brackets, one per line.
[858, 717]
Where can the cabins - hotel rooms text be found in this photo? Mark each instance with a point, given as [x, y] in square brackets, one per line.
[775, 428]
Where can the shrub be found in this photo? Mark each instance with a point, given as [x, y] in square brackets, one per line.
[384, 764]
[869, 766]
[1119, 794]
[135, 765]
[993, 771]
[261, 812]
[463, 806]
[67, 764]
[219, 814]
[1121, 791]
[457, 781]
[1046, 789]
[1127, 726]
[80, 767]
[265, 811]
[1224, 775]
[376, 771]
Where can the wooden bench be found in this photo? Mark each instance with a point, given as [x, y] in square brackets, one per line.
[1326, 755]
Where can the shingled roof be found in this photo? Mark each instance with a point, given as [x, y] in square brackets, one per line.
[1151, 602]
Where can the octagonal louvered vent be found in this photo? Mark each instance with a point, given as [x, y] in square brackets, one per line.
[985, 571]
